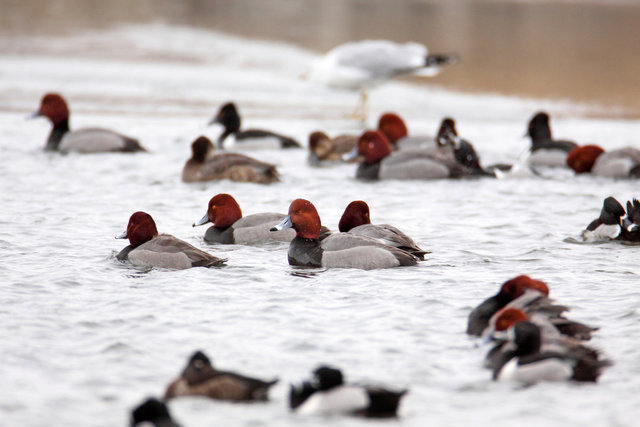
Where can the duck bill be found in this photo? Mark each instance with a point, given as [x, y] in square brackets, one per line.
[122, 235]
[286, 223]
[350, 155]
[203, 220]
[34, 115]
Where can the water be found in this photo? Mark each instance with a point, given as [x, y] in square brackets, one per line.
[85, 338]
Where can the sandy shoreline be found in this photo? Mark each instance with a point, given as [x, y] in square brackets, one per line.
[578, 52]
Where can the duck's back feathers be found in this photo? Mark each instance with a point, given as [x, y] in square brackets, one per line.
[232, 166]
[348, 250]
[95, 140]
[389, 235]
[285, 141]
[166, 251]
[383, 403]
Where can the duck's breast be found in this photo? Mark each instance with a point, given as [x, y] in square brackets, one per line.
[340, 400]
[93, 141]
[255, 228]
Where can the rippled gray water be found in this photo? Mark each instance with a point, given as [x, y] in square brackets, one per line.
[85, 338]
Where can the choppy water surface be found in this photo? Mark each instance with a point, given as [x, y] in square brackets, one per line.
[85, 338]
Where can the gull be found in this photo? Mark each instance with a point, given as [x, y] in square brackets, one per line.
[361, 65]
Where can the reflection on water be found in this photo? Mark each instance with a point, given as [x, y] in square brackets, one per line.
[584, 52]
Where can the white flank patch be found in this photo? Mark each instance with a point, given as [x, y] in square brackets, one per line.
[545, 370]
[341, 400]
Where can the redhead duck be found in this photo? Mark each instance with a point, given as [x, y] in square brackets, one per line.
[339, 250]
[526, 363]
[324, 150]
[620, 163]
[361, 65]
[327, 394]
[546, 151]
[91, 140]
[154, 412]
[355, 220]
[607, 225]
[229, 226]
[443, 161]
[200, 378]
[509, 291]
[150, 249]
[229, 118]
[531, 296]
[206, 166]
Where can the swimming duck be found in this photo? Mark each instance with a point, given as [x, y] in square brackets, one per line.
[327, 394]
[443, 161]
[546, 151]
[530, 296]
[528, 364]
[509, 291]
[619, 163]
[552, 338]
[361, 65]
[229, 226]
[200, 378]
[324, 150]
[206, 166]
[152, 411]
[607, 225]
[355, 220]
[339, 250]
[229, 117]
[90, 140]
[630, 230]
[149, 249]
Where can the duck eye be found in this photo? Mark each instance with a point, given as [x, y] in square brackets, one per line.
[199, 364]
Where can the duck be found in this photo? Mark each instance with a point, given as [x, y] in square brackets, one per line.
[607, 225]
[544, 150]
[356, 220]
[532, 297]
[552, 338]
[362, 65]
[443, 161]
[630, 230]
[229, 118]
[527, 364]
[327, 394]
[147, 248]
[337, 250]
[510, 290]
[230, 227]
[325, 151]
[204, 165]
[152, 411]
[620, 163]
[90, 140]
[200, 378]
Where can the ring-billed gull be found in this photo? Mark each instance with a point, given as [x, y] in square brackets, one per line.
[364, 64]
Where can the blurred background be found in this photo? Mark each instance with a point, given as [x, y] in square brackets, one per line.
[584, 51]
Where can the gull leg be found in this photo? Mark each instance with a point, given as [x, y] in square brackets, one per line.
[361, 111]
